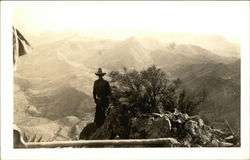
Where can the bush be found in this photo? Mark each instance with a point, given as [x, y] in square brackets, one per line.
[146, 90]
[190, 104]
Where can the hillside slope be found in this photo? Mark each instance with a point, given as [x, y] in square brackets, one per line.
[222, 84]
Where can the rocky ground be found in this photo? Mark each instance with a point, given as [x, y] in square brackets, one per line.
[123, 122]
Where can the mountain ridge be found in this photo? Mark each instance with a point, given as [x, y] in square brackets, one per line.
[63, 69]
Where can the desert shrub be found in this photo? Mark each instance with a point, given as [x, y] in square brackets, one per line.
[145, 90]
[190, 104]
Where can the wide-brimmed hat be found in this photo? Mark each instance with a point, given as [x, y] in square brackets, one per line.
[99, 72]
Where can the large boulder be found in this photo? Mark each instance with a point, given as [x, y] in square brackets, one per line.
[196, 128]
[116, 124]
[88, 131]
[150, 127]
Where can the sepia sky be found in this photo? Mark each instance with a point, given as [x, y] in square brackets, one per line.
[224, 18]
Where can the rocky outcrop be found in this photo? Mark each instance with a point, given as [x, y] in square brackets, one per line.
[150, 127]
[183, 130]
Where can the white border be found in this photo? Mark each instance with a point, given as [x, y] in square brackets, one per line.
[134, 153]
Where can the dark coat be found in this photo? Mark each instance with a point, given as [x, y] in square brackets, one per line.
[101, 89]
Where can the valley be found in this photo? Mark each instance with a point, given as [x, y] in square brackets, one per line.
[53, 84]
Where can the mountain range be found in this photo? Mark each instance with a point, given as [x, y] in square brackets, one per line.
[53, 84]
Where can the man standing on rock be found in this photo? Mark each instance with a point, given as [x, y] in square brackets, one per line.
[101, 94]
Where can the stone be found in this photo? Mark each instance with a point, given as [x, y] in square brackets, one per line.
[198, 119]
[229, 137]
[159, 128]
[233, 139]
[220, 135]
[170, 116]
[156, 115]
[225, 144]
[187, 140]
[196, 128]
[192, 127]
[205, 137]
[150, 128]
[181, 118]
[213, 143]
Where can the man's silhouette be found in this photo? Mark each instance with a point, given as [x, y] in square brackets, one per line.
[101, 93]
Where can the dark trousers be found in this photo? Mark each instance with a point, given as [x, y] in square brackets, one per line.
[101, 107]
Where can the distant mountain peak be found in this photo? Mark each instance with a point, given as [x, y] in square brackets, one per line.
[132, 39]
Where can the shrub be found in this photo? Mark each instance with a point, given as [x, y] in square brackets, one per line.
[190, 104]
[145, 90]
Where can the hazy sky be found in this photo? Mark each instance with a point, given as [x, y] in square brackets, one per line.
[224, 18]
